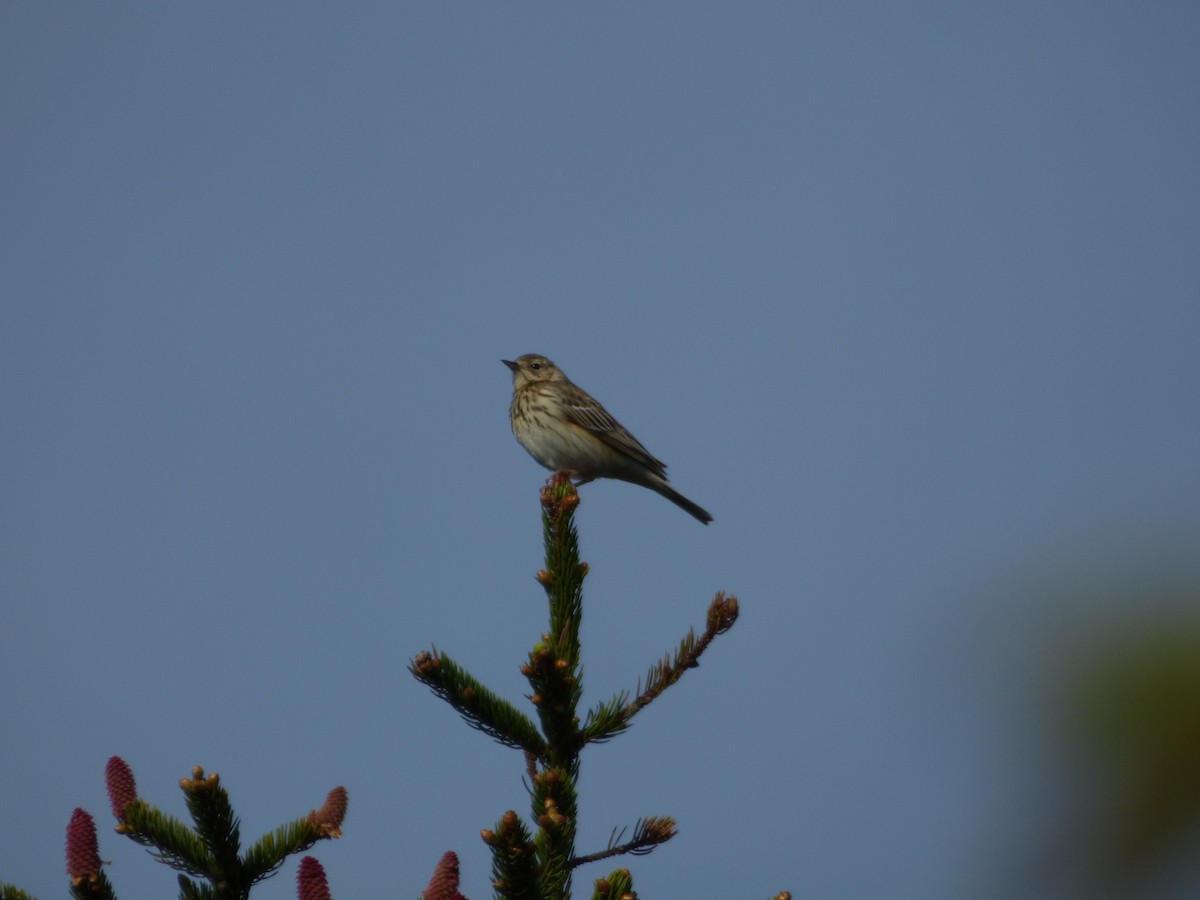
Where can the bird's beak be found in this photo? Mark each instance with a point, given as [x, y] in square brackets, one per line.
[508, 362]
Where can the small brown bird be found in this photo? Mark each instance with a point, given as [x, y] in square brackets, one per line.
[566, 430]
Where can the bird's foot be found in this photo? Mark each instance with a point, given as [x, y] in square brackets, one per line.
[563, 476]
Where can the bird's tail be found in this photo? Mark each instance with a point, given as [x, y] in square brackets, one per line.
[682, 502]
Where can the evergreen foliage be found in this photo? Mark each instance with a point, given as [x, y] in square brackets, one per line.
[539, 865]
[526, 864]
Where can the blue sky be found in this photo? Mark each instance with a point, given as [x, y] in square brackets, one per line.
[905, 295]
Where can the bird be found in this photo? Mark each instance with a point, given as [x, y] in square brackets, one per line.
[566, 430]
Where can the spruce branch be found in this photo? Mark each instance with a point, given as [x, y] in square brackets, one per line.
[211, 851]
[564, 573]
[514, 859]
[556, 687]
[612, 717]
[554, 669]
[99, 888]
[266, 856]
[190, 890]
[174, 843]
[216, 824]
[617, 886]
[539, 865]
[722, 613]
[271, 850]
[648, 833]
[607, 720]
[479, 706]
[531, 762]
[555, 808]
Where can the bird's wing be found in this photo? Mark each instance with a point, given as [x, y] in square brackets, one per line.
[585, 412]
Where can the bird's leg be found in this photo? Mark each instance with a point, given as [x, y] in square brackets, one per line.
[572, 476]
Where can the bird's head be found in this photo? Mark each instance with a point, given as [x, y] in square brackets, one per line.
[532, 369]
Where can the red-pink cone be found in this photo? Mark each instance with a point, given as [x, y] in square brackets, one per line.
[310, 881]
[332, 812]
[444, 883]
[83, 851]
[122, 789]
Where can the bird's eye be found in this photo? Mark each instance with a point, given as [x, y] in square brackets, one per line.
[535, 365]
